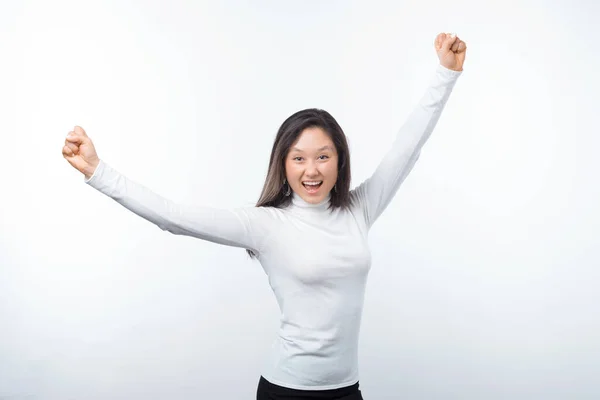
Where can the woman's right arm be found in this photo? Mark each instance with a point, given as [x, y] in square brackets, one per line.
[235, 227]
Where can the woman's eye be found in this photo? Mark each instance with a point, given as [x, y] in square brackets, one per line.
[322, 157]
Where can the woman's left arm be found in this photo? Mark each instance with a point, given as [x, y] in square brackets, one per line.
[377, 191]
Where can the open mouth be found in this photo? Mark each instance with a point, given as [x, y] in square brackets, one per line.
[312, 187]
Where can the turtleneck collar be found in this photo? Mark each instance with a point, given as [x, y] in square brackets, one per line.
[299, 202]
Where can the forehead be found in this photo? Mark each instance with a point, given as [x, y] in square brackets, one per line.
[312, 138]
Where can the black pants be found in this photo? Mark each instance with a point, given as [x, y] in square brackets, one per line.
[269, 391]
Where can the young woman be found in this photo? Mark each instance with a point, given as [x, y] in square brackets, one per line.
[308, 230]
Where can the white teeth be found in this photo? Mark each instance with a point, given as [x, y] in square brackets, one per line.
[313, 183]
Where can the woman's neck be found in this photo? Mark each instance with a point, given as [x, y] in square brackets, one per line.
[299, 202]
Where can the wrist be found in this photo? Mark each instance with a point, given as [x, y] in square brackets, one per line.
[90, 169]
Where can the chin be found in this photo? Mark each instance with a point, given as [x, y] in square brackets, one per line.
[314, 199]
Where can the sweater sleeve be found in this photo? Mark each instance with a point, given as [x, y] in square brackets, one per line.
[235, 227]
[375, 193]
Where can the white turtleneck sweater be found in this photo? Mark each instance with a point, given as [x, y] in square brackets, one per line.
[316, 260]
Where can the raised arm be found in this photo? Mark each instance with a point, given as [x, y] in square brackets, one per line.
[235, 227]
[377, 191]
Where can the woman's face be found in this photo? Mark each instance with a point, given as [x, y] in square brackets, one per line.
[311, 166]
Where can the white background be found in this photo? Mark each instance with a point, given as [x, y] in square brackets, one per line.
[485, 273]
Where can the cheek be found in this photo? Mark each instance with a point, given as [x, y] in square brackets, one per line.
[291, 171]
[331, 170]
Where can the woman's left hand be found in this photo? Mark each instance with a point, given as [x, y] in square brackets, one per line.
[451, 51]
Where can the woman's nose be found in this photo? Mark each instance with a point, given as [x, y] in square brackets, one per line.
[311, 169]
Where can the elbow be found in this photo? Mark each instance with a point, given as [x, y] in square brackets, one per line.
[168, 227]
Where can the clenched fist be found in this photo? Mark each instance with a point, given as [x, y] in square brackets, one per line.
[451, 51]
[79, 151]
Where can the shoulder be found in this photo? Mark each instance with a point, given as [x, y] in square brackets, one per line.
[358, 197]
[261, 223]
[259, 215]
[359, 203]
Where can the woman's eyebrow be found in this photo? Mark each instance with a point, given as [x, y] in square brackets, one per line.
[326, 147]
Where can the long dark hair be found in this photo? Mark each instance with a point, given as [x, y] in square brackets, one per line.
[273, 192]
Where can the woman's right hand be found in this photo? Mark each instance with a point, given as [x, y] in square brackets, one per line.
[80, 152]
